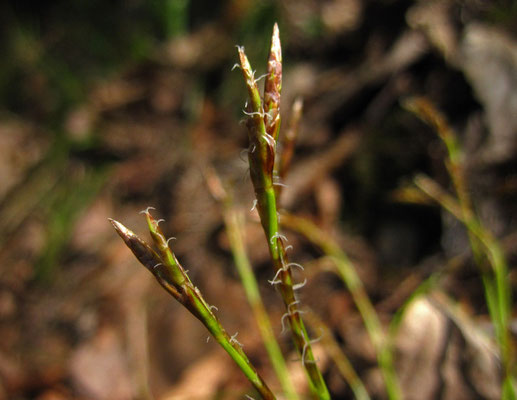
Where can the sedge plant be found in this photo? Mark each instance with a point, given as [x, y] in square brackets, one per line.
[263, 124]
[267, 168]
[348, 274]
[486, 250]
[263, 127]
[169, 273]
[234, 221]
[346, 271]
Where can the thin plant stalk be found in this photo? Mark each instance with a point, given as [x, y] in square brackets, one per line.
[282, 165]
[424, 288]
[355, 286]
[343, 364]
[263, 122]
[233, 221]
[497, 287]
[497, 290]
[174, 279]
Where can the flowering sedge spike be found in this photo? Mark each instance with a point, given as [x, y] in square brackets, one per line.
[262, 159]
[178, 274]
[147, 257]
[142, 251]
[273, 86]
[428, 113]
[251, 85]
[262, 125]
[173, 278]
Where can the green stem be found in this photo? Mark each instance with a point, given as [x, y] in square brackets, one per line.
[233, 223]
[205, 315]
[347, 271]
[299, 332]
[343, 364]
[173, 278]
[497, 287]
[262, 160]
[496, 283]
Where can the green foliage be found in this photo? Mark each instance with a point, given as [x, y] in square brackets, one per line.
[68, 44]
[74, 191]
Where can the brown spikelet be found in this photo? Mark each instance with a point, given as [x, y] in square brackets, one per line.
[273, 86]
[142, 251]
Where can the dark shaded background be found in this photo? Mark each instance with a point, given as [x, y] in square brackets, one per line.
[109, 107]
